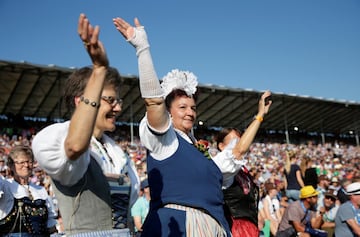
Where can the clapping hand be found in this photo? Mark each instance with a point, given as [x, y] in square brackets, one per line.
[90, 37]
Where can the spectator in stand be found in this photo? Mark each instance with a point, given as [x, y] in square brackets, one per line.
[263, 223]
[341, 194]
[271, 207]
[323, 185]
[186, 194]
[38, 176]
[329, 208]
[3, 172]
[308, 171]
[347, 220]
[2, 162]
[293, 176]
[89, 170]
[300, 218]
[281, 195]
[4, 169]
[350, 172]
[334, 183]
[140, 209]
[25, 208]
[280, 184]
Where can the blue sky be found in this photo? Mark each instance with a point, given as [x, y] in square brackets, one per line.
[303, 47]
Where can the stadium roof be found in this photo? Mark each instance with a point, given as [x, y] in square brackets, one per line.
[31, 90]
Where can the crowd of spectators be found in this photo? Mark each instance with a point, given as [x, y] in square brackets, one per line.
[335, 162]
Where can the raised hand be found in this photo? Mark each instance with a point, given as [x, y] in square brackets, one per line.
[134, 35]
[125, 28]
[90, 37]
[265, 103]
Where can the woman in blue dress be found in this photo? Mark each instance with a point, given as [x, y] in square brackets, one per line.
[185, 186]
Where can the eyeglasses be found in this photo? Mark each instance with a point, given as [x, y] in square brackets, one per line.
[22, 163]
[112, 101]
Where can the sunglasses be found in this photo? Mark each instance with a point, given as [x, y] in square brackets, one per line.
[330, 198]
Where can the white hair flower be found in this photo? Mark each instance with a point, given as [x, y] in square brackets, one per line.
[183, 80]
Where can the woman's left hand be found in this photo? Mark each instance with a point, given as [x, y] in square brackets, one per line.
[125, 28]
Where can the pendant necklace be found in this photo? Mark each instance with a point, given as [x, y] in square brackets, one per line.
[28, 191]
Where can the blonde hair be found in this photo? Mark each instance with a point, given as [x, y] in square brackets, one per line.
[304, 165]
[289, 156]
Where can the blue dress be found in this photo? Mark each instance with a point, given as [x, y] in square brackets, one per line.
[187, 178]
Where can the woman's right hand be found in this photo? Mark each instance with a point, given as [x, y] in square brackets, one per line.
[90, 37]
[136, 35]
[264, 104]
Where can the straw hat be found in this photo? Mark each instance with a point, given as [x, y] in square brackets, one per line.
[353, 189]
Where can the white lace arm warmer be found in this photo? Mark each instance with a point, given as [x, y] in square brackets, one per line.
[149, 82]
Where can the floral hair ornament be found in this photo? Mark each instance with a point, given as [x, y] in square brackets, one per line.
[183, 80]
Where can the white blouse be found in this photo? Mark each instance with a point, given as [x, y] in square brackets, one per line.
[10, 189]
[162, 144]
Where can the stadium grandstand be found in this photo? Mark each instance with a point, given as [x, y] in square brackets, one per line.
[31, 96]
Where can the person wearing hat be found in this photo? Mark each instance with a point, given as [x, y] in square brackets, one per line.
[189, 202]
[341, 194]
[347, 219]
[335, 183]
[329, 208]
[140, 208]
[300, 217]
[322, 187]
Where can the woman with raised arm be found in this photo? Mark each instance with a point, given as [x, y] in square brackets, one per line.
[185, 185]
[241, 193]
[87, 167]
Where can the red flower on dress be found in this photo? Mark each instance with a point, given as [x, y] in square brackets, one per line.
[203, 146]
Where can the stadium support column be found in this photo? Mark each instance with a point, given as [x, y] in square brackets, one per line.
[287, 136]
[322, 132]
[323, 138]
[357, 139]
[286, 130]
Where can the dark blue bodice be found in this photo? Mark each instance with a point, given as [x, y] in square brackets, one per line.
[187, 178]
